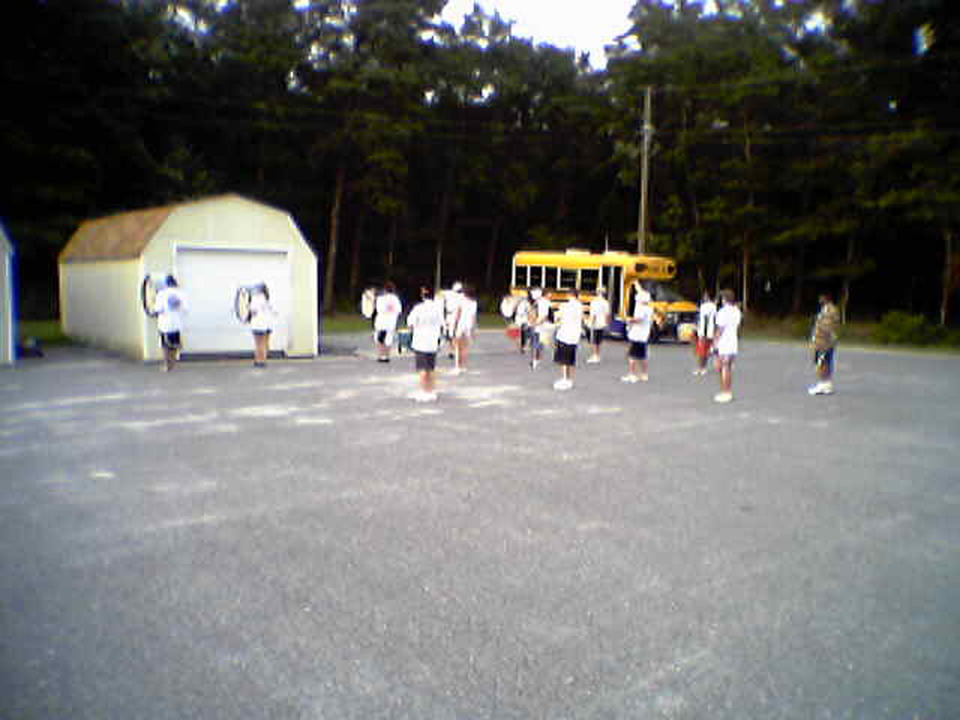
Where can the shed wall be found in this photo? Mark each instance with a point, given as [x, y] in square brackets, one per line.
[100, 304]
[8, 339]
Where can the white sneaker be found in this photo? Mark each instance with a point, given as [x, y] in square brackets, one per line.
[629, 379]
[534, 364]
[723, 397]
[644, 377]
[562, 385]
[593, 359]
[821, 388]
[456, 371]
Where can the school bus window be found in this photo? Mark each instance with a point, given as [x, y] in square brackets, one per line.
[520, 279]
[550, 278]
[536, 276]
[568, 279]
[640, 268]
[589, 279]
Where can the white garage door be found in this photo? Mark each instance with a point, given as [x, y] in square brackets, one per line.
[210, 278]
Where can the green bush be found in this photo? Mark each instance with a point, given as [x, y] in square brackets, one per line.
[902, 328]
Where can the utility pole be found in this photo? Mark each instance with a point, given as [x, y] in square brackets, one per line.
[647, 131]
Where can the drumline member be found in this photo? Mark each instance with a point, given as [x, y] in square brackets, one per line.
[521, 318]
[599, 320]
[638, 333]
[706, 328]
[824, 339]
[464, 327]
[568, 338]
[451, 304]
[387, 310]
[426, 321]
[728, 327]
[262, 317]
[170, 305]
[539, 319]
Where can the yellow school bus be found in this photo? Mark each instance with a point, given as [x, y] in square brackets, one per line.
[557, 272]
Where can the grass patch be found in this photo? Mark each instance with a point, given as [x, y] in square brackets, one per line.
[46, 332]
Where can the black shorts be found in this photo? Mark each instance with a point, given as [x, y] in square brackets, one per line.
[638, 350]
[262, 332]
[425, 361]
[596, 337]
[382, 336]
[565, 354]
[170, 340]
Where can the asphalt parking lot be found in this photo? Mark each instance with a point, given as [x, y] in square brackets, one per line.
[307, 542]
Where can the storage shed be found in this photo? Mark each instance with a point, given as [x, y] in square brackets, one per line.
[213, 247]
[8, 318]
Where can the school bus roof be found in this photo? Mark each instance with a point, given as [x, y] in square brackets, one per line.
[655, 267]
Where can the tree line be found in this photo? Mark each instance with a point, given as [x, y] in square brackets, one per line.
[795, 146]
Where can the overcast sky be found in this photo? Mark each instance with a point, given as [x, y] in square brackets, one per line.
[587, 26]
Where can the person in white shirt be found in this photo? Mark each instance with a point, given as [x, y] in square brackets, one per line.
[539, 322]
[521, 318]
[451, 300]
[262, 318]
[464, 326]
[728, 321]
[638, 334]
[426, 321]
[568, 338]
[170, 305]
[706, 326]
[386, 315]
[599, 320]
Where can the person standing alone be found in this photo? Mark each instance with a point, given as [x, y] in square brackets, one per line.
[262, 318]
[727, 338]
[824, 345]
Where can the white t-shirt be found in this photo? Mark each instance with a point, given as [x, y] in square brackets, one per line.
[639, 330]
[467, 319]
[521, 314]
[599, 313]
[728, 325]
[451, 301]
[542, 306]
[571, 322]
[707, 319]
[388, 312]
[261, 312]
[171, 305]
[426, 320]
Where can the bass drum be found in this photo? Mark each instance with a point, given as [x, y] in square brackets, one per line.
[148, 295]
[241, 304]
[368, 302]
[508, 306]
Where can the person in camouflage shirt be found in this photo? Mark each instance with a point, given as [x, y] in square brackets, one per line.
[824, 345]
